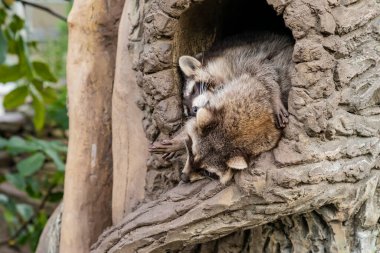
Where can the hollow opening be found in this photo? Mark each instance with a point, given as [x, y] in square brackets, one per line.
[213, 20]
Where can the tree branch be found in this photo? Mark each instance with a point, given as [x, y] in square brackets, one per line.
[15, 193]
[195, 213]
[44, 8]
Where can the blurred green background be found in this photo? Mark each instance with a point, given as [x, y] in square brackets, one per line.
[33, 118]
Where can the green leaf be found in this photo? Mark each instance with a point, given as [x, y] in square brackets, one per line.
[43, 71]
[33, 187]
[58, 178]
[10, 218]
[17, 23]
[39, 108]
[49, 95]
[24, 62]
[56, 159]
[3, 47]
[3, 143]
[10, 73]
[58, 146]
[3, 199]
[17, 180]
[3, 15]
[17, 145]
[25, 211]
[42, 218]
[31, 165]
[12, 42]
[38, 84]
[52, 149]
[16, 97]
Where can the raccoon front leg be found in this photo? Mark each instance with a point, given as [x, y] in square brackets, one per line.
[169, 147]
[268, 77]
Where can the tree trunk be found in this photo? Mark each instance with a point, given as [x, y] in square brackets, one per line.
[316, 192]
[90, 73]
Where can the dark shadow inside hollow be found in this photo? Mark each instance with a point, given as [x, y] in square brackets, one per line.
[249, 16]
[213, 20]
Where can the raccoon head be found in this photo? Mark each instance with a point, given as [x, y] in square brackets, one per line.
[210, 154]
[198, 81]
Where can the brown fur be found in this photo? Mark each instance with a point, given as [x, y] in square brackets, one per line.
[241, 125]
[266, 56]
[245, 86]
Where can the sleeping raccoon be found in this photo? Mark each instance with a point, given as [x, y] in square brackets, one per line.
[266, 56]
[236, 125]
[241, 80]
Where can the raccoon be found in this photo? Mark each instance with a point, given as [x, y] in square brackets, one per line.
[235, 125]
[264, 55]
[238, 93]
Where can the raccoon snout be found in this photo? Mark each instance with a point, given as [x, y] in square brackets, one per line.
[194, 110]
[185, 178]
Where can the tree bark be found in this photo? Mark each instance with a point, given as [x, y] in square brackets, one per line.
[129, 143]
[321, 182]
[197, 213]
[50, 237]
[317, 191]
[90, 72]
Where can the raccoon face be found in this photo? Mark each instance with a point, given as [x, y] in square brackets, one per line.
[198, 83]
[209, 154]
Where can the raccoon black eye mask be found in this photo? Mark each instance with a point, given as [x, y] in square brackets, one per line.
[249, 79]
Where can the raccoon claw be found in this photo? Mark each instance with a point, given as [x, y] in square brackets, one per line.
[168, 156]
[282, 117]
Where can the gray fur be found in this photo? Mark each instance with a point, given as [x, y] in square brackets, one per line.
[267, 56]
[241, 88]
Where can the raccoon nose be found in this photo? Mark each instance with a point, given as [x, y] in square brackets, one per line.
[185, 178]
[194, 110]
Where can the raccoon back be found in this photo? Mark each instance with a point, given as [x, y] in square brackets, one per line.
[245, 116]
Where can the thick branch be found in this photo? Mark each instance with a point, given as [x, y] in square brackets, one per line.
[203, 211]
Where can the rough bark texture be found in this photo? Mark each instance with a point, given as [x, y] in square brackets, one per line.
[90, 67]
[129, 144]
[318, 190]
[49, 239]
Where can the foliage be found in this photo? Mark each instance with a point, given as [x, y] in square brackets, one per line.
[57, 111]
[24, 222]
[33, 77]
[38, 170]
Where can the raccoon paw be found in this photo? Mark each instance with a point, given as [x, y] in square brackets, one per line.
[281, 116]
[166, 147]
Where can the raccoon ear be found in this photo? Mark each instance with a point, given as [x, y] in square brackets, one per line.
[189, 65]
[237, 163]
[204, 117]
